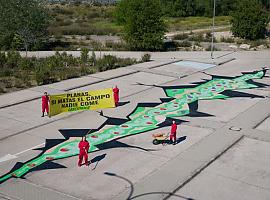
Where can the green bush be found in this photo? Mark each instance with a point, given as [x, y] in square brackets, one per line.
[84, 55]
[8, 82]
[62, 11]
[3, 59]
[146, 57]
[42, 77]
[25, 77]
[73, 73]
[144, 26]
[84, 70]
[180, 37]
[197, 37]
[125, 62]
[249, 20]
[116, 46]
[184, 43]
[107, 62]
[227, 40]
[202, 38]
[198, 44]
[19, 83]
[6, 72]
[27, 72]
[13, 59]
[2, 89]
[95, 45]
[208, 37]
[93, 58]
[26, 64]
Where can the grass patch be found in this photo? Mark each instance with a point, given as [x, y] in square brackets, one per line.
[192, 23]
[99, 20]
[227, 40]
[83, 20]
[86, 20]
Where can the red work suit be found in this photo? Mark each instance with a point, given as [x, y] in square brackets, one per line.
[45, 103]
[84, 147]
[116, 95]
[173, 132]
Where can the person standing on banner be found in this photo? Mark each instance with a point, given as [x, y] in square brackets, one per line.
[45, 104]
[116, 95]
[173, 133]
[83, 147]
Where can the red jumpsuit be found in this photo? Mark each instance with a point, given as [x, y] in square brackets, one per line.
[45, 103]
[173, 132]
[116, 95]
[84, 147]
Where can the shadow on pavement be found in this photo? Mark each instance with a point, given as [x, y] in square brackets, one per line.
[231, 93]
[96, 160]
[179, 140]
[123, 103]
[67, 133]
[47, 165]
[49, 143]
[117, 144]
[131, 186]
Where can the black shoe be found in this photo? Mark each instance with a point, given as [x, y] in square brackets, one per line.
[42, 115]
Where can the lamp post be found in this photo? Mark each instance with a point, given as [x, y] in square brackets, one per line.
[213, 25]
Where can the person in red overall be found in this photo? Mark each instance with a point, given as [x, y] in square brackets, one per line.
[84, 147]
[173, 133]
[45, 104]
[116, 95]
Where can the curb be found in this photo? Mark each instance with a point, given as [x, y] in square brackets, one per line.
[199, 170]
[83, 85]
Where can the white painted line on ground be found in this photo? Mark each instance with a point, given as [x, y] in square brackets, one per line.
[7, 157]
[11, 157]
[29, 149]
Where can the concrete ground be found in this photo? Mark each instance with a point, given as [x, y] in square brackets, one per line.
[224, 156]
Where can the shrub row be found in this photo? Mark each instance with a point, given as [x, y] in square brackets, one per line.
[17, 72]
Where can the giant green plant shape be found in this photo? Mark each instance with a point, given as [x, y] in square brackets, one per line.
[144, 118]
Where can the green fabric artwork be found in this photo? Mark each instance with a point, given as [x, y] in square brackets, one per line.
[143, 119]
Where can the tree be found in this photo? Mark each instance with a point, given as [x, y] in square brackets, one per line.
[120, 12]
[22, 20]
[266, 4]
[249, 20]
[223, 7]
[144, 27]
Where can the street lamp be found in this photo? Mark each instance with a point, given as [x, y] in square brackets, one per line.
[213, 25]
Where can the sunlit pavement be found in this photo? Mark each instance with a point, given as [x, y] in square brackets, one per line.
[225, 154]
